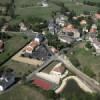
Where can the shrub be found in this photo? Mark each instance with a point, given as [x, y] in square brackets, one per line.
[98, 37]
[2, 21]
[54, 41]
[88, 71]
[88, 45]
[13, 27]
[37, 24]
[75, 61]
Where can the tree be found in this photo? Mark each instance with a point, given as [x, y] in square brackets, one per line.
[88, 45]
[54, 41]
[98, 37]
[86, 12]
[88, 71]
[7, 8]
[71, 15]
[75, 61]
[64, 9]
[11, 7]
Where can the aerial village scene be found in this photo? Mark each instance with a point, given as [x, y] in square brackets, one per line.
[49, 49]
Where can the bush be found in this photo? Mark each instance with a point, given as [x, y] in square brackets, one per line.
[98, 37]
[4, 36]
[98, 11]
[54, 41]
[81, 96]
[86, 13]
[2, 22]
[13, 27]
[88, 45]
[88, 71]
[75, 61]
[37, 24]
[92, 3]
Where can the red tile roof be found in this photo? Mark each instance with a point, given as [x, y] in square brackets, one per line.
[42, 83]
[31, 46]
[60, 69]
[97, 16]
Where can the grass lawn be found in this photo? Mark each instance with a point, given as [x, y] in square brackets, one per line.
[4, 1]
[37, 11]
[90, 0]
[23, 92]
[20, 69]
[87, 59]
[26, 8]
[12, 45]
[34, 10]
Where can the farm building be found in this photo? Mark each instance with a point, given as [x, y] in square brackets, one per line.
[69, 34]
[37, 49]
[95, 43]
[51, 79]
[44, 3]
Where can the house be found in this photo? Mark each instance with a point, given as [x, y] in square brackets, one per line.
[44, 3]
[1, 46]
[23, 27]
[50, 80]
[6, 80]
[71, 29]
[95, 43]
[83, 22]
[4, 28]
[66, 39]
[68, 28]
[41, 53]
[37, 49]
[76, 34]
[69, 34]
[40, 38]
[51, 27]
[93, 28]
[97, 16]
[61, 20]
[28, 50]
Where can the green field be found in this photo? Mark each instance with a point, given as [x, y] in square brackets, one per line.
[87, 59]
[4, 1]
[27, 8]
[23, 92]
[35, 10]
[12, 45]
[31, 9]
